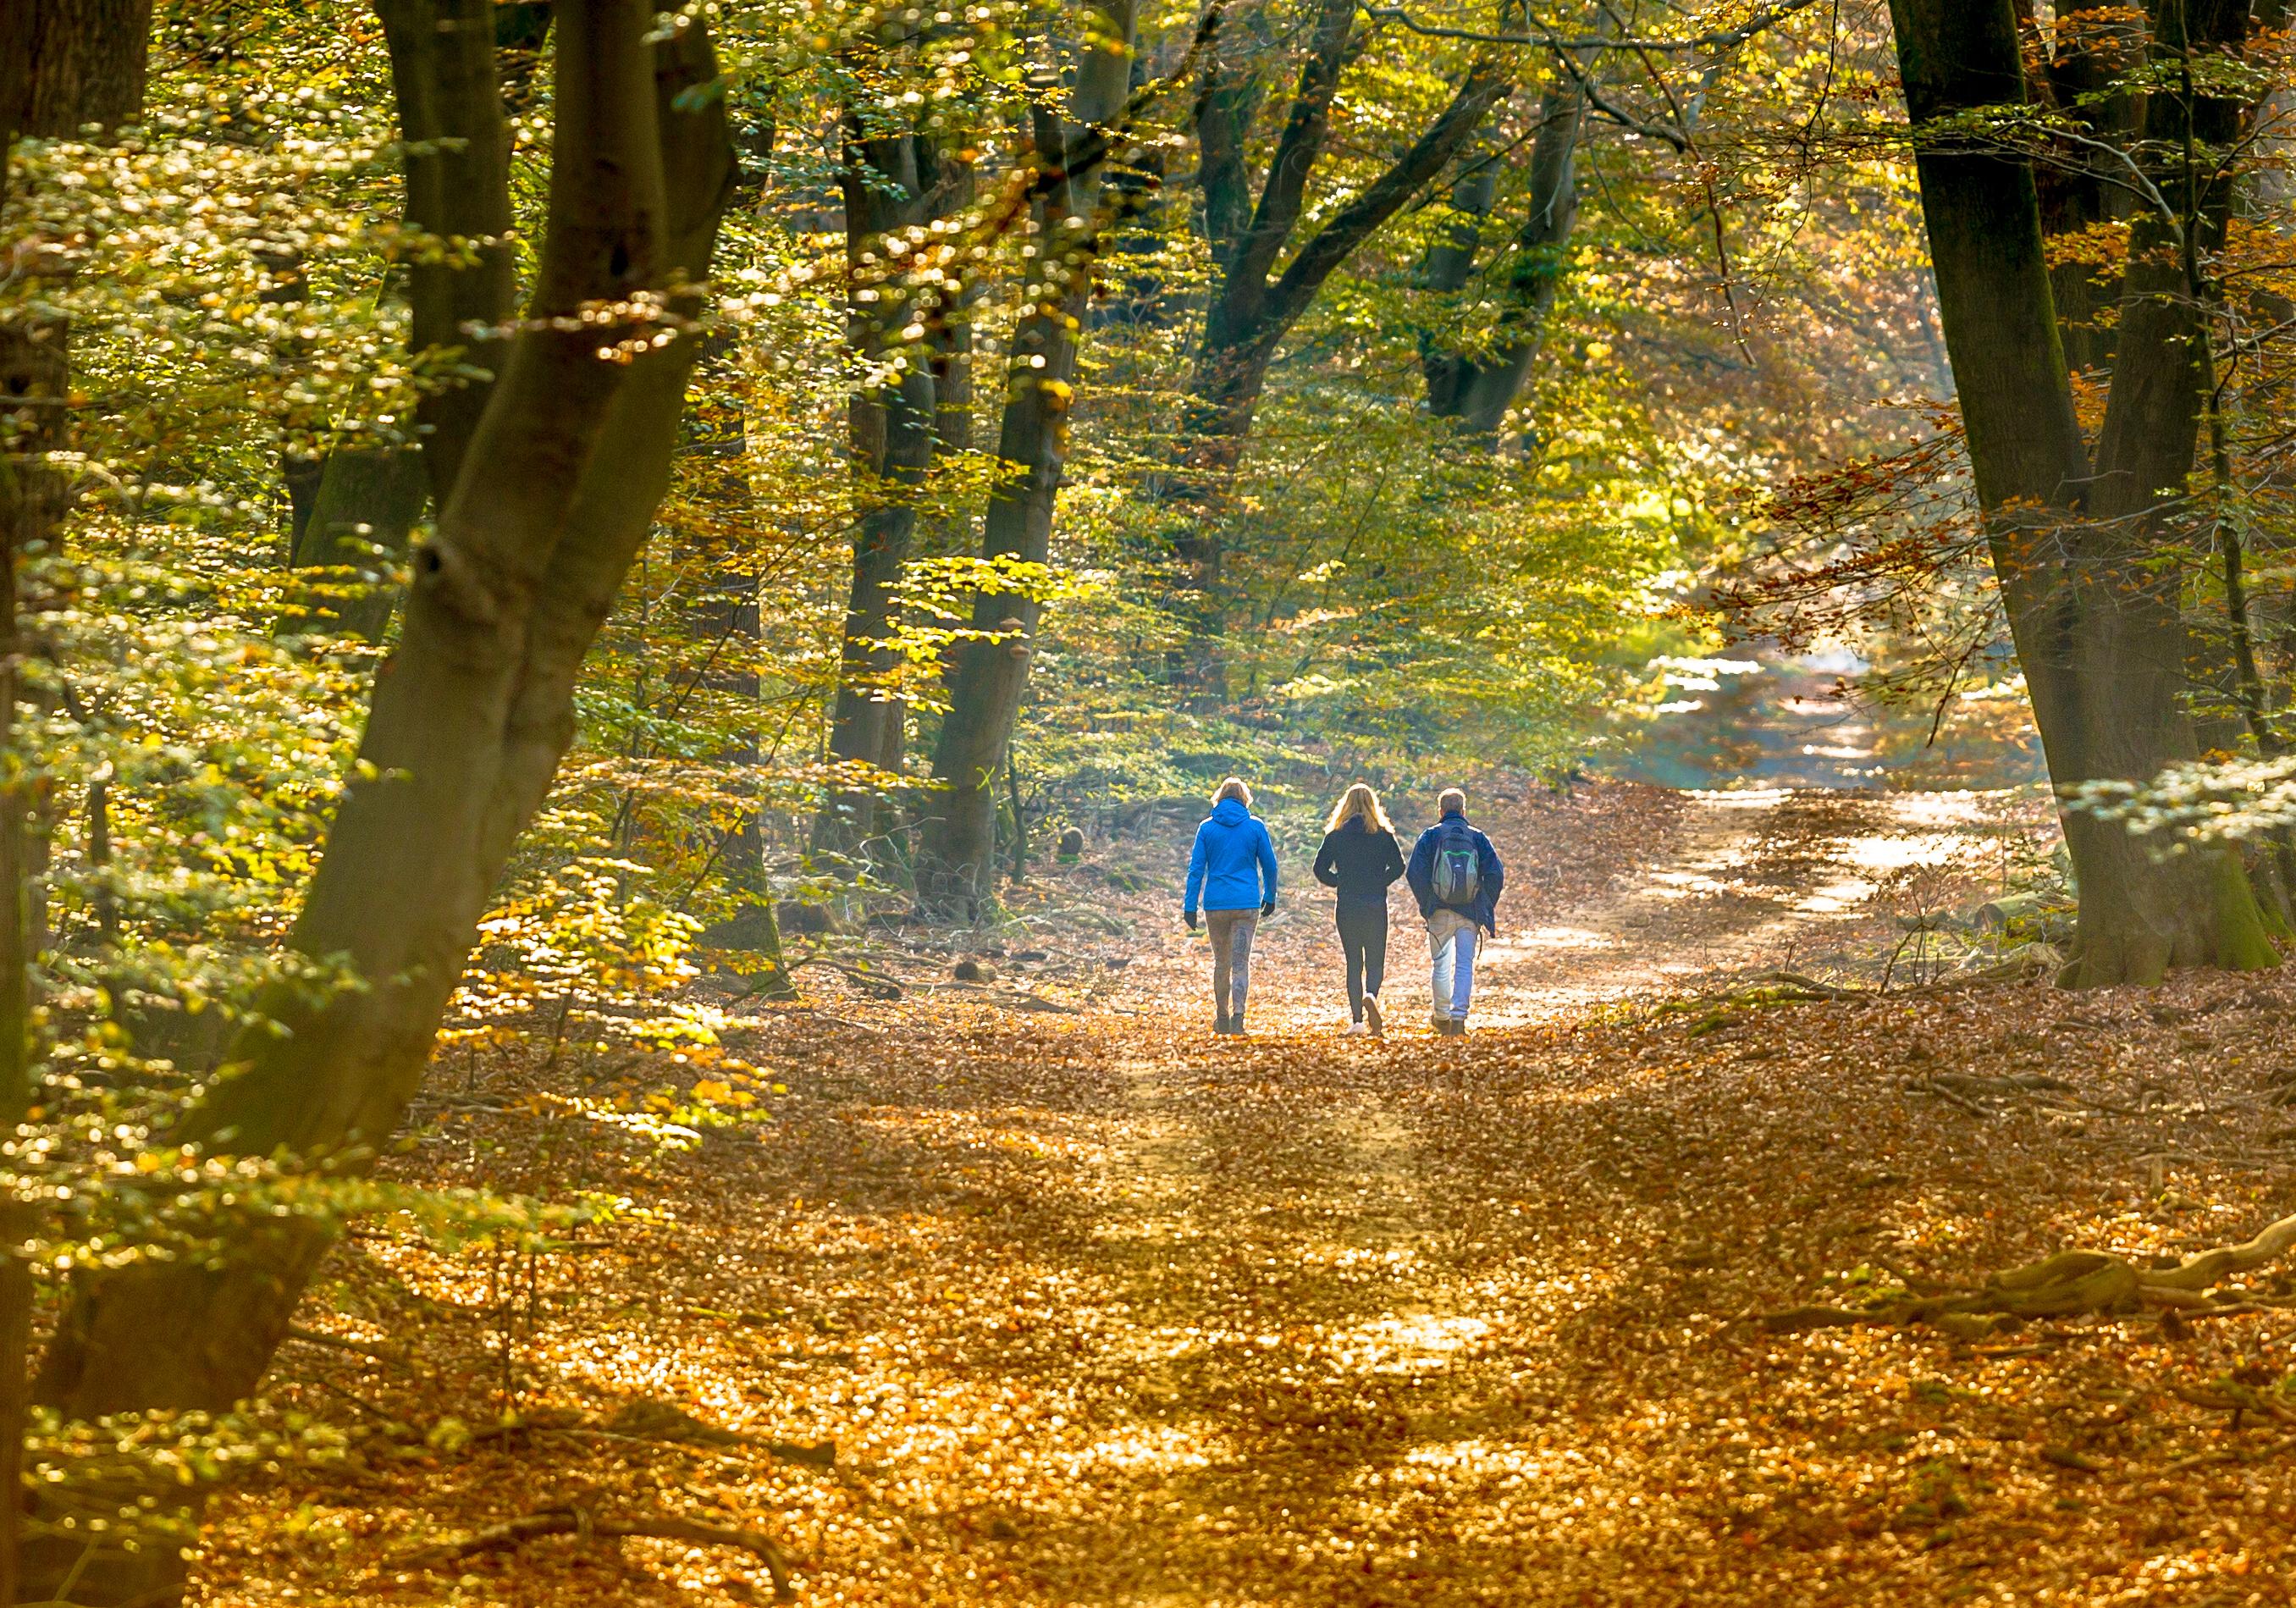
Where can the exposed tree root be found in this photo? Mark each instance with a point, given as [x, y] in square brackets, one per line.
[1971, 1090]
[649, 1420]
[2067, 1284]
[574, 1520]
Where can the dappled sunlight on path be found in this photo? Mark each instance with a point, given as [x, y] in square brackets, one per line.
[1098, 1309]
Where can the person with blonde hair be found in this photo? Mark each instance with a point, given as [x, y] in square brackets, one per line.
[1361, 860]
[1456, 877]
[1232, 871]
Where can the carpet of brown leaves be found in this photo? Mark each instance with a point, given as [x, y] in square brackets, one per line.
[1097, 1309]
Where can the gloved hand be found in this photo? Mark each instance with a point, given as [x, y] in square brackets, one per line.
[1269, 908]
[1189, 917]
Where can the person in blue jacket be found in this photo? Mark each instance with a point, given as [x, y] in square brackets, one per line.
[1455, 876]
[1231, 878]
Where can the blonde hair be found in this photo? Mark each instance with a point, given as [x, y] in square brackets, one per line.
[1234, 787]
[1359, 803]
[1453, 798]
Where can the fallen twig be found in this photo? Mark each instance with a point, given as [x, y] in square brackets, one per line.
[336, 1342]
[577, 1521]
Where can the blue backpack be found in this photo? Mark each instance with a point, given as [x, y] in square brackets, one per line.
[1458, 874]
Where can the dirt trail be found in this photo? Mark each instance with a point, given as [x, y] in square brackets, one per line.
[1710, 884]
[1102, 1312]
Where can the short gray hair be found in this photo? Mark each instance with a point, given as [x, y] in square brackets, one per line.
[1453, 798]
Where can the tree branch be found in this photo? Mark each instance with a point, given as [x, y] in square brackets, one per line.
[1386, 196]
[1723, 39]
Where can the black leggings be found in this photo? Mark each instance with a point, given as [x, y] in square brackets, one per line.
[1362, 935]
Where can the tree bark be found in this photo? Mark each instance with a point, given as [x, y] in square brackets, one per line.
[34, 379]
[890, 185]
[1250, 313]
[363, 511]
[2085, 52]
[2095, 625]
[84, 62]
[469, 720]
[957, 852]
[445, 79]
[1477, 389]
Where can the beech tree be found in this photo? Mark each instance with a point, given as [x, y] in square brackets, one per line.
[956, 850]
[556, 488]
[2080, 537]
[1478, 388]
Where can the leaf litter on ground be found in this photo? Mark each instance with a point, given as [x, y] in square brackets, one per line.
[1097, 1309]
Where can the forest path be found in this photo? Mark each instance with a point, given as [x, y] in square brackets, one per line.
[1684, 889]
[1101, 1311]
[1159, 1319]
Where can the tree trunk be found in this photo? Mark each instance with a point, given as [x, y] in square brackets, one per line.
[957, 853]
[1251, 315]
[2084, 54]
[34, 379]
[362, 514]
[469, 720]
[2097, 632]
[356, 510]
[84, 63]
[1477, 389]
[890, 185]
[445, 79]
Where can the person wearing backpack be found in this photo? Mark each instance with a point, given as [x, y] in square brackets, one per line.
[1455, 876]
[1232, 871]
[1360, 859]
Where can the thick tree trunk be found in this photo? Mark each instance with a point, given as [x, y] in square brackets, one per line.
[2096, 630]
[957, 852]
[470, 720]
[1479, 389]
[84, 62]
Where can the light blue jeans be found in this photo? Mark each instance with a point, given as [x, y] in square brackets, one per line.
[1452, 941]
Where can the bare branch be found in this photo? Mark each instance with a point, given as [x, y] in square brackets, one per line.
[1722, 39]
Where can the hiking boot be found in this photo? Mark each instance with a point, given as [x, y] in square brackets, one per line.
[1236, 1025]
[1374, 1019]
[1456, 1027]
[1442, 1023]
[1220, 1024]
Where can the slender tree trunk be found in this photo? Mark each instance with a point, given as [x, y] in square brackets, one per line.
[469, 721]
[957, 852]
[448, 86]
[2095, 627]
[890, 186]
[364, 508]
[1251, 313]
[32, 495]
[65, 66]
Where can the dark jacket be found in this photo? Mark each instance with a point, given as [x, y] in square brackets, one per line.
[1233, 866]
[1490, 876]
[1360, 861]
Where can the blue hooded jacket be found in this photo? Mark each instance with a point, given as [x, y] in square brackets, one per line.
[1233, 862]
